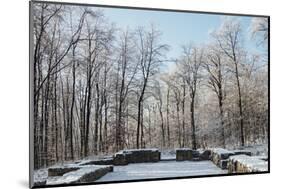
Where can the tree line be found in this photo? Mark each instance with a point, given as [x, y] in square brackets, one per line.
[99, 89]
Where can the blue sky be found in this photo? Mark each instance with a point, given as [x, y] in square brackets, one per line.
[178, 28]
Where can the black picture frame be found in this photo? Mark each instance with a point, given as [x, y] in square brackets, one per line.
[31, 90]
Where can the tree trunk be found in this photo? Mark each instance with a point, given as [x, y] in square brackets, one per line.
[240, 105]
[162, 126]
[167, 117]
[142, 130]
[88, 114]
[100, 129]
[72, 107]
[105, 124]
[184, 138]
[178, 122]
[96, 119]
[194, 145]
[221, 116]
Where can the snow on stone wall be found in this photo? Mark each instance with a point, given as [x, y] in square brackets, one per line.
[244, 164]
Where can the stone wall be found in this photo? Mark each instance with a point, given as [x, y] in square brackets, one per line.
[59, 171]
[136, 156]
[183, 154]
[246, 164]
[104, 161]
[226, 159]
[220, 157]
[85, 174]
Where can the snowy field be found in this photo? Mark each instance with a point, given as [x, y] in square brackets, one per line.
[161, 170]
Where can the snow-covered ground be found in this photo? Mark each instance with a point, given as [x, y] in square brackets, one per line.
[161, 169]
[40, 175]
[256, 149]
[168, 155]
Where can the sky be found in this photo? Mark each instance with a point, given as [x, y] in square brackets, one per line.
[178, 28]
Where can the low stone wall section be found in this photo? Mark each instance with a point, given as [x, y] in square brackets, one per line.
[246, 164]
[220, 156]
[125, 157]
[183, 154]
[85, 174]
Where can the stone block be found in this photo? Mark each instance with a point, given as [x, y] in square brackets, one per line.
[86, 174]
[120, 159]
[59, 171]
[205, 155]
[223, 164]
[107, 161]
[242, 152]
[184, 154]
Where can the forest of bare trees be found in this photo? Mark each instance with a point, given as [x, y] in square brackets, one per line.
[99, 89]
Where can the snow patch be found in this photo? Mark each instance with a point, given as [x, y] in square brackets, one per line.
[222, 151]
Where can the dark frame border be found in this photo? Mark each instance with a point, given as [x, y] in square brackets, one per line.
[31, 121]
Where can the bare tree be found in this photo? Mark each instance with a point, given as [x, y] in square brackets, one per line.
[173, 82]
[127, 69]
[259, 30]
[214, 67]
[150, 54]
[159, 97]
[229, 40]
[190, 65]
[95, 39]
